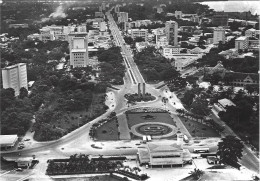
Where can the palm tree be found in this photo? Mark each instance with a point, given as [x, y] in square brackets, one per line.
[197, 173]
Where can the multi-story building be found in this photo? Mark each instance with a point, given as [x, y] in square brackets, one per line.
[99, 14]
[241, 79]
[78, 49]
[241, 43]
[102, 26]
[178, 14]
[171, 30]
[252, 32]
[169, 51]
[220, 20]
[122, 17]
[143, 33]
[161, 40]
[15, 77]
[25, 25]
[219, 35]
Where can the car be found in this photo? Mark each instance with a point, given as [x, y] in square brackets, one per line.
[27, 139]
[19, 169]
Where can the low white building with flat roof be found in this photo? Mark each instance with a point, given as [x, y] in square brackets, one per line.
[24, 162]
[222, 105]
[170, 51]
[8, 141]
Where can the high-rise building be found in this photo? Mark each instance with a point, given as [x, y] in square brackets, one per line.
[122, 17]
[219, 35]
[78, 49]
[15, 77]
[171, 30]
[220, 19]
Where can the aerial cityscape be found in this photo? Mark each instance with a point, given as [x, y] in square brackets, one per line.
[125, 90]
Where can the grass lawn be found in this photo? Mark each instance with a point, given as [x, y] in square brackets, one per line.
[136, 118]
[108, 131]
[201, 129]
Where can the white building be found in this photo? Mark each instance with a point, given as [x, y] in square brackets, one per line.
[117, 9]
[78, 49]
[140, 46]
[161, 41]
[170, 51]
[122, 17]
[222, 105]
[158, 154]
[15, 77]
[178, 14]
[241, 43]
[8, 141]
[171, 30]
[218, 35]
[143, 33]
[102, 26]
[252, 32]
[24, 162]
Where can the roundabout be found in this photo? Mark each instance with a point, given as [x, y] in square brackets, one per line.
[154, 129]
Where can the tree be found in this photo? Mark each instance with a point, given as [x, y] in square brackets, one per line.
[230, 149]
[170, 74]
[197, 173]
[200, 107]
[23, 93]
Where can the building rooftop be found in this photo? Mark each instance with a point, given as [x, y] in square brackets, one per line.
[7, 139]
[226, 102]
[13, 66]
[78, 50]
[163, 148]
[241, 38]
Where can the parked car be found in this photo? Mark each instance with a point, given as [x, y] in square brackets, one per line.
[27, 139]
[19, 169]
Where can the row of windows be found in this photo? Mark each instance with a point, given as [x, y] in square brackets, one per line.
[167, 156]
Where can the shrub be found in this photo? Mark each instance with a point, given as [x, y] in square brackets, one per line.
[104, 131]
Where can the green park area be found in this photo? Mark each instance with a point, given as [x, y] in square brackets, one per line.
[108, 131]
[197, 129]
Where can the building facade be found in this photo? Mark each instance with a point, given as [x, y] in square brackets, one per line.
[143, 33]
[220, 20]
[161, 41]
[242, 43]
[78, 49]
[219, 35]
[15, 77]
[178, 14]
[171, 30]
[122, 17]
[170, 51]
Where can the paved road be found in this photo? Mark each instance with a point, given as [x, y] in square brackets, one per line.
[78, 141]
[249, 160]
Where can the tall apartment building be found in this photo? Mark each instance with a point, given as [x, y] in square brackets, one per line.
[220, 19]
[15, 77]
[171, 30]
[143, 33]
[242, 43]
[78, 43]
[122, 17]
[218, 35]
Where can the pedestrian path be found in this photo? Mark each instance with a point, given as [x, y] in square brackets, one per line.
[123, 128]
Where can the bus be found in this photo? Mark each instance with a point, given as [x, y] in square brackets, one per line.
[185, 139]
[199, 150]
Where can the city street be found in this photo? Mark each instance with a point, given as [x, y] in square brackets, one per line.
[78, 141]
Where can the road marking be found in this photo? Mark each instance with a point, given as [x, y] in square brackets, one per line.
[6, 172]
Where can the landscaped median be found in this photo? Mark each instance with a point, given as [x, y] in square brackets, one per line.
[82, 164]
